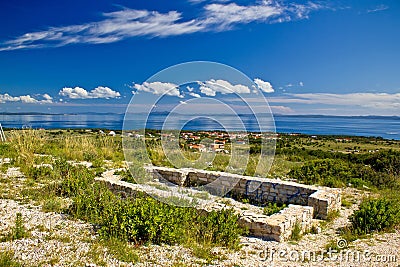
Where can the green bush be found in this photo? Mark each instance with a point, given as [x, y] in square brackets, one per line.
[74, 179]
[18, 231]
[339, 173]
[219, 227]
[375, 215]
[36, 173]
[143, 219]
[7, 259]
[296, 232]
[126, 176]
[273, 207]
[7, 150]
[329, 172]
[387, 161]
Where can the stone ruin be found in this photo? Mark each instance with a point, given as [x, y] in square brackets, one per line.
[305, 203]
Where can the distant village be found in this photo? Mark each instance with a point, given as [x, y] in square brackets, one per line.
[206, 141]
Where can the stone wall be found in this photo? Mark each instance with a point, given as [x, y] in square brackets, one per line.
[304, 202]
[261, 190]
[277, 227]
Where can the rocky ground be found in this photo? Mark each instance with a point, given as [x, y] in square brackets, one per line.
[56, 240]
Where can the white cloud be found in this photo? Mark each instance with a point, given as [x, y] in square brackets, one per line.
[378, 8]
[301, 84]
[266, 87]
[47, 97]
[366, 100]
[281, 110]
[4, 98]
[104, 92]
[226, 15]
[80, 93]
[127, 23]
[194, 95]
[208, 88]
[7, 98]
[114, 27]
[207, 91]
[28, 99]
[211, 87]
[201, 1]
[159, 88]
[74, 93]
[183, 102]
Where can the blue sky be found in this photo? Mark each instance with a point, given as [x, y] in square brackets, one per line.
[309, 57]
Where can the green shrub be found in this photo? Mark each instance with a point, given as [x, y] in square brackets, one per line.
[74, 179]
[7, 259]
[332, 215]
[296, 232]
[375, 215]
[273, 208]
[37, 173]
[327, 172]
[120, 250]
[219, 227]
[18, 231]
[92, 203]
[126, 176]
[387, 161]
[339, 173]
[144, 219]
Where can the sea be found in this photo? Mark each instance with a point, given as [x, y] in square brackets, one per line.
[387, 127]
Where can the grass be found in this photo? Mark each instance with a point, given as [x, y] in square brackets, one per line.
[136, 221]
[333, 245]
[332, 215]
[204, 252]
[296, 232]
[113, 248]
[61, 238]
[346, 203]
[7, 259]
[52, 204]
[272, 208]
[19, 230]
[121, 251]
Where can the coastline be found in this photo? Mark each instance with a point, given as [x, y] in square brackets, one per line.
[386, 127]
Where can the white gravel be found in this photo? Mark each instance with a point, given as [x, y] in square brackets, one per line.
[56, 240]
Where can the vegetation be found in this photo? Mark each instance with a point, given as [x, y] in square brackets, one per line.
[273, 207]
[59, 185]
[144, 219]
[120, 250]
[375, 215]
[7, 259]
[18, 231]
[339, 173]
[137, 220]
[296, 232]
